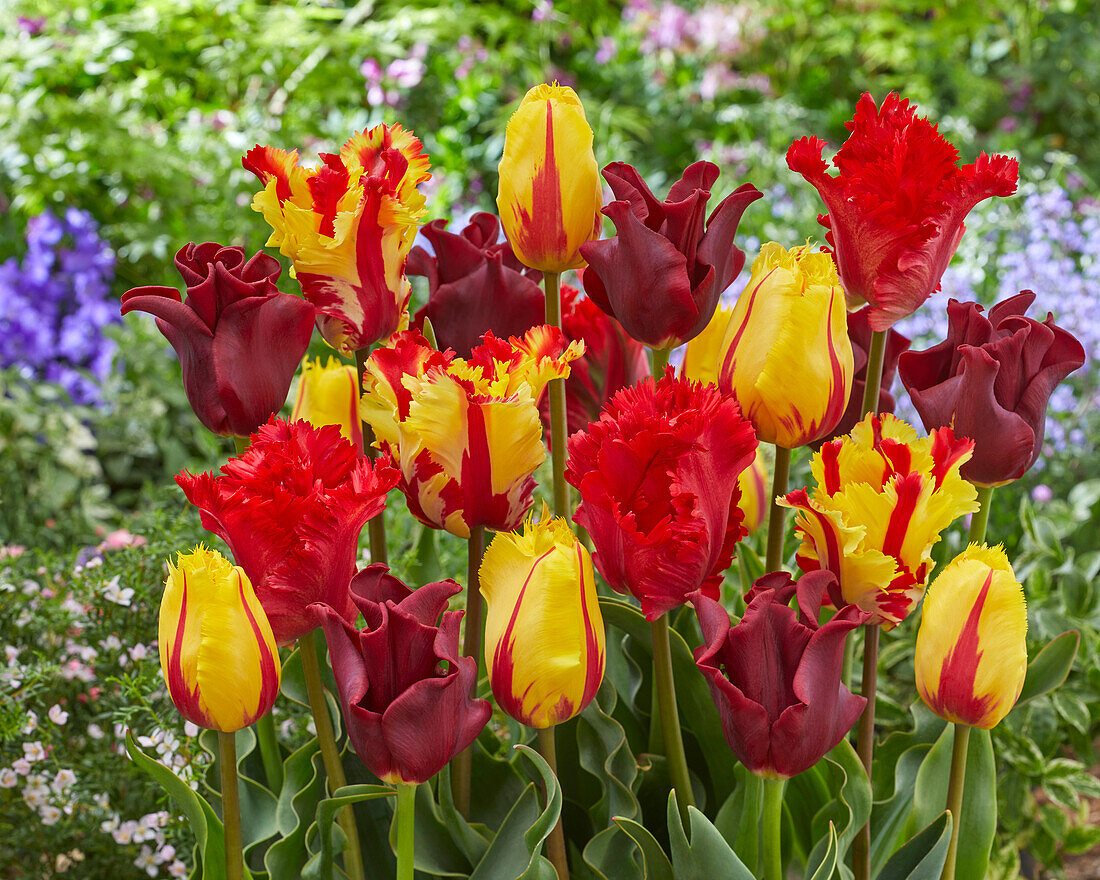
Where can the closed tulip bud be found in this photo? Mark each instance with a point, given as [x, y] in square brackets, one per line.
[550, 194]
[217, 650]
[544, 637]
[786, 355]
[328, 395]
[754, 485]
[971, 655]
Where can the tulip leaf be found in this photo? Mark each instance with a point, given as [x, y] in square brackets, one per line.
[707, 855]
[205, 823]
[978, 822]
[465, 835]
[922, 857]
[303, 786]
[738, 819]
[1049, 668]
[827, 865]
[849, 810]
[655, 864]
[888, 822]
[320, 865]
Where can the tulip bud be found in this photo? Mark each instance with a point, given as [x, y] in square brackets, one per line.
[971, 655]
[550, 195]
[217, 650]
[328, 395]
[544, 637]
[786, 355]
[754, 486]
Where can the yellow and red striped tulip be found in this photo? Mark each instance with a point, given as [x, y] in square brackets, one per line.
[347, 226]
[755, 485]
[786, 355]
[550, 193]
[544, 635]
[328, 395]
[217, 650]
[465, 433]
[703, 353]
[971, 655]
[883, 496]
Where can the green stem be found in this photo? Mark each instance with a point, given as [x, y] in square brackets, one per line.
[865, 746]
[240, 444]
[980, 520]
[660, 361]
[376, 526]
[558, 417]
[555, 844]
[955, 796]
[670, 718]
[315, 690]
[269, 752]
[874, 373]
[774, 560]
[471, 647]
[231, 806]
[772, 855]
[406, 812]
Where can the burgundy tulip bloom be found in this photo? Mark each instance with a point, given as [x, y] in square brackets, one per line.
[611, 361]
[474, 285]
[404, 685]
[657, 476]
[990, 380]
[291, 508]
[239, 340]
[897, 204]
[662, 273]
[776, 675]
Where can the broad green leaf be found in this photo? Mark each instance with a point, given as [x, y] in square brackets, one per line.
[978, 823]
[303, 785]
[848, 811]
[922, 857]
[655, 864]
[472, 840]
[1049, 668]
[890, 816]
[828, 861]
[321, 865]
[707, 855]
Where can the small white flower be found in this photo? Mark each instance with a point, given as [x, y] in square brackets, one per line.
[190, 729]
[57, 714]
[21, 766]
[146, 861]
[64, 779]
[125, 833]
[8, 778]
[111, 643]
[95, 731]
[33, 751]
[49, 815]
[32, 721]
[12, 653]
[177, 869]
[62, 863]
[36, 796]
[102, 800]
[166, 854]
[138, 652]
[109, 826]
[112, 592]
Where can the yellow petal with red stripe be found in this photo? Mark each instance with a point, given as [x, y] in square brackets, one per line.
[327, 395]
[703, 353]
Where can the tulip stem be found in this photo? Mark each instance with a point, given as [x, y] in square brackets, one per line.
[873, 381]
[406, 812]
[670, 718]
[376, 526]
[471, 647]
[269, 752]
[980, 520]
[555, 844]
[231, 806]
[774, 559]
[240, 444]
[660, 361]
[311, 672]
[865, 746]
[559, 429]
[773, 824]
[955, 796]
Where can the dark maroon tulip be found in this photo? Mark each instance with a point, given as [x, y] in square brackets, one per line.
[403, 682]
[662, 273]
[239, 340]
[775, 677]
[990, 380]
[474, 285]
[859, 332]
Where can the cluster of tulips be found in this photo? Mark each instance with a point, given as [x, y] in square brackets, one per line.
[455, 405]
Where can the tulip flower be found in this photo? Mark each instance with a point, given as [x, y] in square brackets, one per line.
[703, 354]
[883, 496]
[859, 334]
[544, 636]
[328, 395]
[611, 360]
[465, 433]
[347, 227]
[662, 273]
[550, 195]
[291, 508]
[897, 205]
[233, 318]
[658, 478]
[474, 285]
[971, 655]
[775, 676]
[404, 686]
[217, 650]
[786, 355]
[753, 485]
[990, 380]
